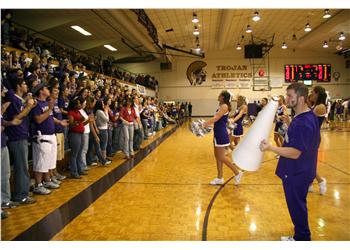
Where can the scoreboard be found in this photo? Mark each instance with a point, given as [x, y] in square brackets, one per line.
[301, 72]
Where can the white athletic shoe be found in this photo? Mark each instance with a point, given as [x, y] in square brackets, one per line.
[40, 189]
[323, 186]
[238, 177]
[287, 238]
[311, 189]
[217, 181]
[50, 185]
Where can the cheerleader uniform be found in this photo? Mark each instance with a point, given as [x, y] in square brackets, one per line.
[221, 138]
[279, 122]
[238, 131]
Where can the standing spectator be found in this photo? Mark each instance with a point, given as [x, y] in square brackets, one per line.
[102, 119]
[59, 131]
[63, 102]
[138, 132]
[44, 140]
[128, 116]
[76, 139]
[86, 132]
[190, 109]
[94, 140]
[5, 162]
[18, 140]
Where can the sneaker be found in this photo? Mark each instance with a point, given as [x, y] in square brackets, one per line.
[107, 163]
[154, 133]
[60, 177]
[75, 176]
[40, 189]
[83, 173]
[217, 181]
[4, 214]
[50, 185]
[94, 164]
[10, 204]
[287, 238]
[238, 177]
[27, 200]
[311, 189]
[323, 186]
[54, 180]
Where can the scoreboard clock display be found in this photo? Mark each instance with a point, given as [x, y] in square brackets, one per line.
[301, 72]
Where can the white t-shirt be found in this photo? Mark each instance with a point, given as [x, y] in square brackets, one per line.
[87, 126]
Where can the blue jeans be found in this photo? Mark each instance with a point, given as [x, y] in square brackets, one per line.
[76, 163]
[66, 142]
[118, 139]
[128, 131]
[110, 142]
[5, 175]
[85, 148]
[19, 152]
[103, 139]
[91, 157]
[145, 128]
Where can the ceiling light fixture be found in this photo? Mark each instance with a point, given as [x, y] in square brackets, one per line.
[238, 47]
[326, 14]
[110, 47]
[341, 36]
[307, 27]
[249, 29]
[81, 30]
[284, 45]
[294, 37]
[256, 16]
[195, 19]
[325, 44]
[196, 31]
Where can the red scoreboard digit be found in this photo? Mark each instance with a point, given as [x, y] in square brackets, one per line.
[300, 72]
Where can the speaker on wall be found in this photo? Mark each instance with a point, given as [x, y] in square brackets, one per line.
[166, 66]
[253, 51]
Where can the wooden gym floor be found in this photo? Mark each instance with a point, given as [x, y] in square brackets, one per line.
[166, 196]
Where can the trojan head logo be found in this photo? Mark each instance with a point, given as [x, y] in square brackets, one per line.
[196, 73]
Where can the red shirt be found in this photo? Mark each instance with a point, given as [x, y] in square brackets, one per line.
[79, 128]
[126, 116]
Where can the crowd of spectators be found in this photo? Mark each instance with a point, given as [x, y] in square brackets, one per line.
[18, 37]
[50, 111]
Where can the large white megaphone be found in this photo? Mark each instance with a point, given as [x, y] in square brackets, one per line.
[247, 154]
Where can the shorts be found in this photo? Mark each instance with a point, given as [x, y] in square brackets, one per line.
[44, 153]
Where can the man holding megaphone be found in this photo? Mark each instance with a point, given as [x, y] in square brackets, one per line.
[298, 159]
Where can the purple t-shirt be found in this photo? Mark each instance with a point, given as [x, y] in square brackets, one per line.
[58, 115]
[20, 132]
[303, 134]
[3, 137]
[47, 127]
[62, 103]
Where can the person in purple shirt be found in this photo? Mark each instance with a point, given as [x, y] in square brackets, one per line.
[5, 161]
[44, 141]
[18, 139]
[59, 131]
[298, 159]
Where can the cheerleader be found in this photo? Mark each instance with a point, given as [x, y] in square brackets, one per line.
[318, 99]
[221, 139]
[237, 119]
[281, 111]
